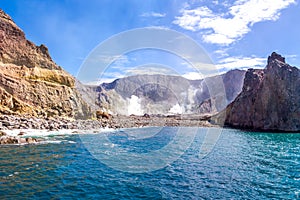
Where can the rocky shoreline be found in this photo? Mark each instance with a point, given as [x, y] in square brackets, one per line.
[121, 121]
[10, 122]
[23, 123]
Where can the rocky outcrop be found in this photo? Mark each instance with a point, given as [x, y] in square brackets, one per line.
[17, 140]
[270, 99]
[161, 94]
[15, 49]
[30, 82]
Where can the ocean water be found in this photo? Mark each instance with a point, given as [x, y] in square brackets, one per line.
[154, 163]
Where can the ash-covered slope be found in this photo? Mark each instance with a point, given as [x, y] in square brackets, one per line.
[270, 99]
[163, 94]
[30, 82]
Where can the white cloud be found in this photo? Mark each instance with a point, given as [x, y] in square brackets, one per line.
[107, 78]
[99, 82]
[193, 76]
[221, 52]
[223, 28]
[153, 14]
[241, 62]
[216, 2]
[291, 56]
[108, 59]
[119, 61]
[157, 27]
[151, 69]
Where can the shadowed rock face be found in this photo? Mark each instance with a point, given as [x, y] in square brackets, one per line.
[158, 94]
[270, 99]
[30, 82]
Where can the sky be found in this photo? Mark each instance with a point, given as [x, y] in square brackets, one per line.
[233, 34]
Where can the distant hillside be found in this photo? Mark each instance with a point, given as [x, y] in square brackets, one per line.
[163, 94]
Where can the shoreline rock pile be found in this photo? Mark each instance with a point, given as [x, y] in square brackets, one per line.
[13, 122]
[8, 139]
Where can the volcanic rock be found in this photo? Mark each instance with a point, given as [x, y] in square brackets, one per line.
[2, 133]
[30, 82]
[158, 94]
[102, 114]
[270, 99]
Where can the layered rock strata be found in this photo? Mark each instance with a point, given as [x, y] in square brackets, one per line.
[30, 82]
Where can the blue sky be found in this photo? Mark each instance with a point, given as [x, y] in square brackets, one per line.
[234, 34]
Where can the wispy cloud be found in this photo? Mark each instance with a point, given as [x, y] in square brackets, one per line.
[193, 76]
[120, 62]
[150, 69]
[153, 14]
[291, 56]
[221, 52]
[225, 28]
[241, 62]
[106, 77]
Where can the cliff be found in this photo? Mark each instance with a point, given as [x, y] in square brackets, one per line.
[30, 82]
[270, 99]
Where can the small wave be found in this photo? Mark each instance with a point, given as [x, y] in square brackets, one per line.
[62, 132]
[51, 142]
[56, 142]
[53, 137]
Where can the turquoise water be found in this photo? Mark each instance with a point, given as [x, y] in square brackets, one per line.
[242, 165]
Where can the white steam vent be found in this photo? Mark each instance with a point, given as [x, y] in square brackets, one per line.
[176, 109]
[134, 106]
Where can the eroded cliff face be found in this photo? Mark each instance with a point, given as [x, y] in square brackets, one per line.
[270, 99]
[30, 82]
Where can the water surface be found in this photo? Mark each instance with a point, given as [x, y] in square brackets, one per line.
[242, 165]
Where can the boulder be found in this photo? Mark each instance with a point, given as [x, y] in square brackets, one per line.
[102, 114]
[2, 133]
[30, 140]
[21, 133]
